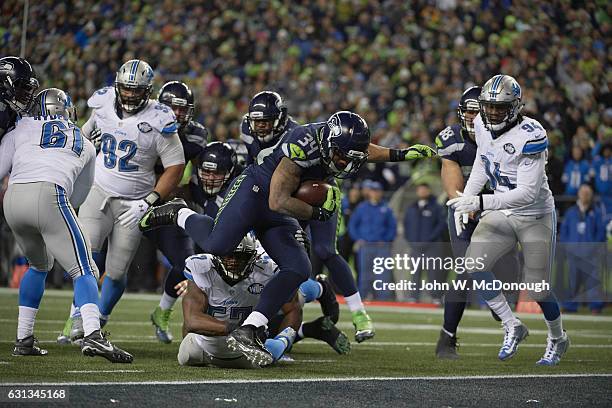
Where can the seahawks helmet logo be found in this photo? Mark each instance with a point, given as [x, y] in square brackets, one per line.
[335, 129]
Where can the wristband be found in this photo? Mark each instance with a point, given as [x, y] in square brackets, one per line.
[153, 198]
[397, 155]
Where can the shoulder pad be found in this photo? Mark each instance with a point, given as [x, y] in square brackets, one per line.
[196, 264]
[100, 97]
[245, 132]
[448, 141]
[160, 117]
[535, 146]
[301, 147]
[534, 134]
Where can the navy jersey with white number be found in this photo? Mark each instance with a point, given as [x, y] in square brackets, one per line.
[257, 149]
[452, 145]
[300, 146]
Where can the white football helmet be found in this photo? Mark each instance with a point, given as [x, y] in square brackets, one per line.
[54, 101]
[500, 103]
[133, 85]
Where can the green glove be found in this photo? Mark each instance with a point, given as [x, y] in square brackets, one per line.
[419, 151]
[329, 207]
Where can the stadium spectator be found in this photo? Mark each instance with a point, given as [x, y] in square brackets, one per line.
[373, 228]
[576, 171]
[424, 224]
[583, 233]
[601, 171]
[349, 203]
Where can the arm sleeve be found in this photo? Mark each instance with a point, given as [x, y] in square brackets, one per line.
[170, 150]
[478, 177]
[85, 179]
[529, 178]
[7, 150]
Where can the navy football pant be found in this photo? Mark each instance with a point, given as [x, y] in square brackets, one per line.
[176, 246]
[245, 208]
[323, 236]
[456, 299]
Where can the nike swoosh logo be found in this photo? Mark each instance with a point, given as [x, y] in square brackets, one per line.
[106, 348]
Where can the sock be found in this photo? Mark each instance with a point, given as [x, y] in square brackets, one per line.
[447, 332]
[166, 302]
[354, 302]
[453, 312]
[555, 328]
[111, 293]
[25, 324]
[32, 287]
[256, 319]
[501, 307]
[85, 290]
[91, 318]
[550, 307]
[311, 290]
[183, 214]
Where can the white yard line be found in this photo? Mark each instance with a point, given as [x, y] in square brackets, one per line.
[319, 380]
[102, 371]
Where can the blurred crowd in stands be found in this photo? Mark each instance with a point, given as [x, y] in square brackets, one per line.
[401, 64]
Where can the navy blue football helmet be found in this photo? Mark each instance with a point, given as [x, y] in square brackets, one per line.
[344, 142]
[216, 164]
[469, 103]
[267, 116]
[179, 97]
[18, 83]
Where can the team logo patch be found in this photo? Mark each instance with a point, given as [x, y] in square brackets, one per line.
[509, 148]
[255, 288]
[296, 152]
[144, 127]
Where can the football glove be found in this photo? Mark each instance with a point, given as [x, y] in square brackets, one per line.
[329, 207]
[461, 221]
[137, 209]
[465, 204]
[96, 138]
[302, 238]
[418, 151]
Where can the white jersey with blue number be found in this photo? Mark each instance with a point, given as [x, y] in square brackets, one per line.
[131, 145]
[514, 164]
[45, 148]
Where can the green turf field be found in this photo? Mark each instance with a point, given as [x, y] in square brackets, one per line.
[403, 347]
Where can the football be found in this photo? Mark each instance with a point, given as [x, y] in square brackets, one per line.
[313, 192]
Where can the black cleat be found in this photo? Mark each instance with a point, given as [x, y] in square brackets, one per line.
[446, 349]
[96, 344]
[324, 329]
[28, 347]
[161, 215]
[328, 301]
[248, 340]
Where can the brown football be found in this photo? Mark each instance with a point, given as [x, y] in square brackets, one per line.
[313, 192]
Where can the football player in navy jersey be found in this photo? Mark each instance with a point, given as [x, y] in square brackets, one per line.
[174, 243]
[457, 148]
[260, 199]
[18, 85]
[261, 130]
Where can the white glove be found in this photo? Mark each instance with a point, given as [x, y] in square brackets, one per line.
[464, 204]
[95, 137]
[132, 216]
[461, 221]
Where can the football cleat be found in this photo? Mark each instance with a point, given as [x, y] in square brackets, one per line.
[161, 320]
[328, 301]
[247, 340]
[161, 215]
[28, 347]
[64, 337]
[96, 344]
[555, 348]
[364, 328]
[446, 349]
[515, 333]
[325, 330]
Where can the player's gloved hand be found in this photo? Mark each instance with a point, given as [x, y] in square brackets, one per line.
[329, 207]
[461, 221]
[96, 138]
[418, 151]
[279, 344]
[464, 204]
[137, 209]
[302, 238]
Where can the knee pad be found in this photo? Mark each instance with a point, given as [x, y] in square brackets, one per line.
[190, 353]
